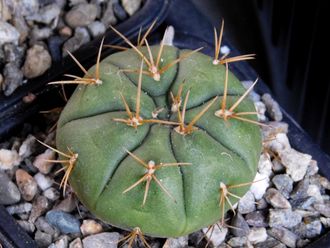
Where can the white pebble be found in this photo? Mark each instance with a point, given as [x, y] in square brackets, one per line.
[260, 186]
[25, 149]
[265, 165]
[43, 181]
[257, 235]
[9, 159]
[224, 49]
[218, 234]
[41, 163]
[314, 191]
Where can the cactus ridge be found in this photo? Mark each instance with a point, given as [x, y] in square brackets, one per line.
[219, 150]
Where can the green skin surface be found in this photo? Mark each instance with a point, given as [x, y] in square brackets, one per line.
[219, 151]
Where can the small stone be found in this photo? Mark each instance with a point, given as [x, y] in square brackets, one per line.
[312, 168]
[324, 182]
[314, 191]
[101, 240]
[42, 239]
[39, 207]
[9, 193]
[68, 204]
[257, 235]
[8, 34]
[52, 194]
[61, 242]
[274, 128]
[47, 14]
[108, 17]
[284, 235]
[81, 15]
[65, 31]
[19, 208]
[119, 11]
[216, 235]
[283, 218]
[21, 26]
[43, 181]
[13, 53]
[40, 33]
[256, 219]
[237, 242]
[176, 242]
[265, 165]
[303, 242]
[37, 61]
[296, 163]
[131, 6]
[65, 222]
[262, 204]
[246, 204]
[325, 222]
[278, 167]
[276, 199]
[242, 228]
[308, 230]
[89, 227]
[43, 226]
[273, 108]
[300, 190]
[54, 46]
[96, 28]
[323, 208]
[260, 185]
[13, 78]
[302, 203]
[284, 184]
[76, 243]
[5, 12]
[26, 225]
[279, 143]
[80, 38]
[28, 7]
[270, 242]
[9, 159]
[41, 163]
[27, 147]
[26, 184]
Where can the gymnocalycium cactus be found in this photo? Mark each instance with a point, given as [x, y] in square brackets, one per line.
[159, 140]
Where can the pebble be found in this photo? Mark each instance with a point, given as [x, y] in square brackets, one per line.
[40, 33]
[260, 107]
[8, 33]
[68, 204]
[283, 218]
[21, 26]
[13, 78]
[42, 225]
[284, 235]
[246, 204]
[176, 242]
[37, 61]
[9, 193]
[273, 108]
[52, 194]
[260, 186]
[19, 208]
[76, 243]
[300, 190]
[257, 235]
[13, 53]
[308, 229]
[302, 203]
[237, 242]
[9, 159]
[265, 165]
[27, 147]
[324, 182]
[323, 208]
[26, 184]
[6, 13]
[44, 182]
[89, 227]
[119, 11]
[62, 242]
[39, 207]
[303, 242]
[312, 168]
[270, 242]
[262, 204]
[80, 38]
[278, 144]
[241, 227]
[96, 29]
[54, 47]
[65, 31]
[276, 199]
[47, 14]
[325, 222]
[101, 240]
[81, 15]
[131, 6]
[296, 163]
[278, 166]
[65, 222]
[42, 239]
[28, 7]
[256, 219]
[41, 163]
[314, 191]
[217, 235]
[284, 184]
[108, 17]
[26, 225]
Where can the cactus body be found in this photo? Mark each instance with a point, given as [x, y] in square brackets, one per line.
[219, 151]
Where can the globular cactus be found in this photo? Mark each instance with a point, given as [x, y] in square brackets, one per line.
[159, 140]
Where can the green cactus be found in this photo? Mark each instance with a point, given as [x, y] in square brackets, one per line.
[168, 175]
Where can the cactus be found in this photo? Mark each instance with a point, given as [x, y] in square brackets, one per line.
[158, 139]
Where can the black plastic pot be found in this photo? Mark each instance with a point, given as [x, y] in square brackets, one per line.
[192, 31]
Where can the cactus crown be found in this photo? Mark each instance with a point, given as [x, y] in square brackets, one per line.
[156, 139]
